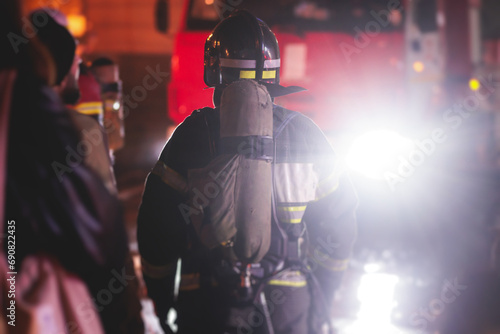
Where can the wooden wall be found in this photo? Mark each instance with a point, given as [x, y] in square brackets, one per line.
[120, 26]
[128, 26]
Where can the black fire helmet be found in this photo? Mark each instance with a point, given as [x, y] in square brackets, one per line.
[243, 47]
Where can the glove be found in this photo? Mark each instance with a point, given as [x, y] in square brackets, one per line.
[162, 295]
[162, 314]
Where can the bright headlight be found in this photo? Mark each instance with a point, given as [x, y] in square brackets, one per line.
[376, 295]
[377, 152]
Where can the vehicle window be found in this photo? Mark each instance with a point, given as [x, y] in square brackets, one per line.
[322, 15]
[426, 15]
[490, 24]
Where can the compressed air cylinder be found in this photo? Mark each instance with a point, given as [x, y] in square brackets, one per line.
[246, 120]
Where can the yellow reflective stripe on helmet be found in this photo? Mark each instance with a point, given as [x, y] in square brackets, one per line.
[251, 74]
[157, 271]
[268, 74]
[247, 74]
[170, 177]
[90, 108]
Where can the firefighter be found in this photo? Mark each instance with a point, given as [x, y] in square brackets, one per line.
[313, 225]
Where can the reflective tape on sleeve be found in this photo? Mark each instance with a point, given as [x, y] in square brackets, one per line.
[327, 186]
[290, 214]
[158, 271]
[290, 278]
[330, 183]
[189, 282]
[90, 108]
[328, 262]
[170, 177]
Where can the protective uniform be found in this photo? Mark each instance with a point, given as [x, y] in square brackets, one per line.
[87, 117]
[313, 222]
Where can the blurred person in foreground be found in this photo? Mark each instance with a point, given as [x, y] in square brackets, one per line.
[9, 17]
[69, 216]
[279, 272]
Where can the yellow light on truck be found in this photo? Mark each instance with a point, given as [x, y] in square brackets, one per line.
[77, 25]
[418, 66]
[474, 84]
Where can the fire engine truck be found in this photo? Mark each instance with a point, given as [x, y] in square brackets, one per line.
[396, 65]
[348, 55]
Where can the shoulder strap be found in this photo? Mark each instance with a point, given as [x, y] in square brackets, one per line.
[287, 119]
[284, 235]
[212, 145]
